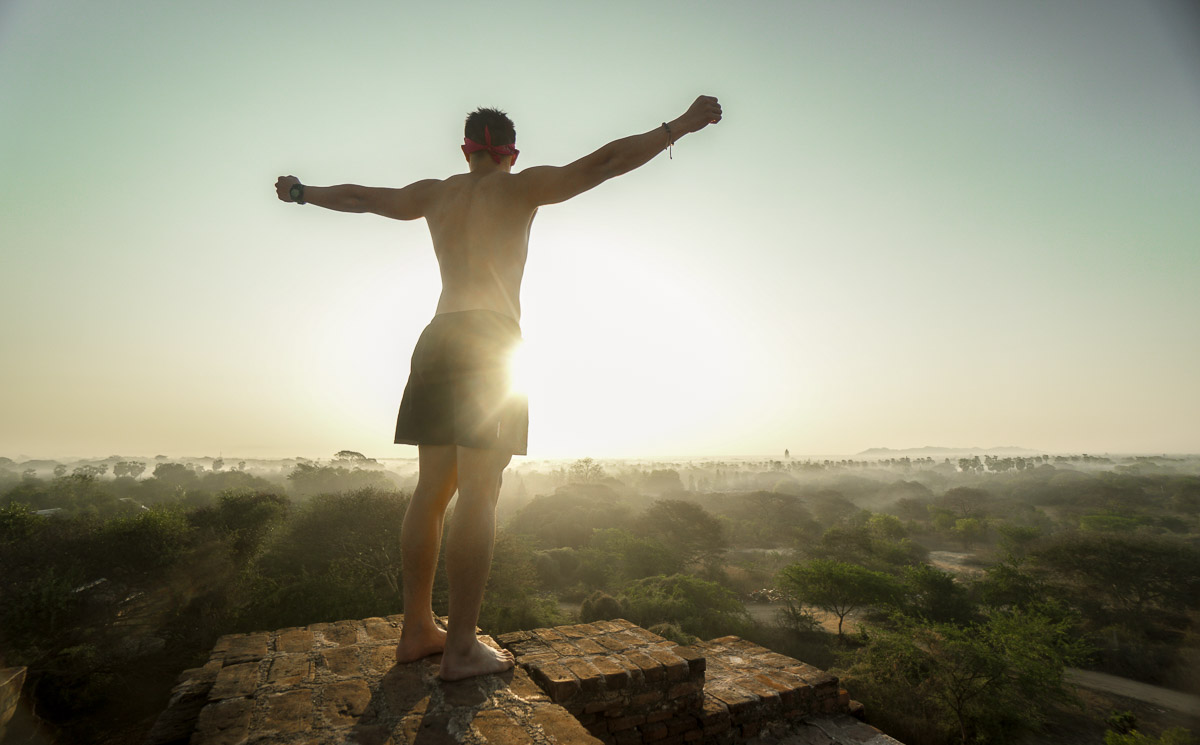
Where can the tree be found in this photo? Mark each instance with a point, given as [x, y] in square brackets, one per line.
[697, 606]
[933, 594]
[586, 471]
[966, 502]
[975, 681]
[686, 528]
[1129, 575]
[969, 530]
[838, 587]
[131, 468]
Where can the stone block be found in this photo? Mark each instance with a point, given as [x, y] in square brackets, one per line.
[236, 648]
[549, 635]
[738, 701]
[294, 641]
[380, 629]
[557, 681]
[616, 724]
[224, 723]
[654, 732]
[512, 637]
[616, 677]
[344, 702]
[652, 670]
[588, 646]
[288, 712]
[379, 658]
[289, 670]
[694, 658]
[591, 681]
[234, 681]
[675, 667]
[341, 661]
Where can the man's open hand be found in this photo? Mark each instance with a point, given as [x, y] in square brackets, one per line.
[704, 111]
[283, 187]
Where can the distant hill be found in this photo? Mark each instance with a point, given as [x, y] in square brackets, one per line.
[930, 451]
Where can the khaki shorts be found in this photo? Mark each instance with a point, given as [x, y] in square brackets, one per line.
[459, 388]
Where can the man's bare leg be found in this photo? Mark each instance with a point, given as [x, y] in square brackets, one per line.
[420, 542]
[468, 560]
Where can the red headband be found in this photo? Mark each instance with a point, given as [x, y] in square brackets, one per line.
[496, 151]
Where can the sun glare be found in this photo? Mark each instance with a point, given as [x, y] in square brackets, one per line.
[518, 370]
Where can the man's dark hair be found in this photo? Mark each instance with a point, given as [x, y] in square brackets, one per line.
[499, 126]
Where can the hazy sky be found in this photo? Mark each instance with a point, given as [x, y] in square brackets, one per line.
[920, 223]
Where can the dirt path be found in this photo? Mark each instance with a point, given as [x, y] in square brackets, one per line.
[1165, 697]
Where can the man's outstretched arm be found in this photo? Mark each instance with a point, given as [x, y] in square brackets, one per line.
[552, 184]
[407, 203]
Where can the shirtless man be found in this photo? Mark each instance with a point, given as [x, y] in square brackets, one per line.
[457, 406]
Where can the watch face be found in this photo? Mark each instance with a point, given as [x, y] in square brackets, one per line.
[295, 191]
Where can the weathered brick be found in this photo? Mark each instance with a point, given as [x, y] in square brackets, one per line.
[693, 736]
[606, 627]
[380, 658]
[686, 688]
[643, 700]
[676, 667]
[557, 681]
[549, 635]
[596, 706]
[294, 640]
[342, 632]
[737, 700]
[289, 669]
[344, 702]
[572, 632]
[695, 659]
[616, 677]
[237, 648]
[589, 646]
[342, 661]
[626, 737]
[513, 637]
[234, 681]
[769, 698]
[653, 732]
[288, 712]
[616, 724]
[563, 649]
[591, 681]
[608, 642]
[652, 670]
[682, 724]
[381, 629]
[223, 723]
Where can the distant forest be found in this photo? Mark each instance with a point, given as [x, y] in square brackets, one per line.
[950, 595]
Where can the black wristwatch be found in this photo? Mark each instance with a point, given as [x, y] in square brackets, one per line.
[297, 193]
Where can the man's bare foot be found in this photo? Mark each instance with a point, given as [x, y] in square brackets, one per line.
[481, 660]
[416, 643]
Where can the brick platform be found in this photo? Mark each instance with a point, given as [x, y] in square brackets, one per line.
[339, 683]
[628, 685]
[608, 681]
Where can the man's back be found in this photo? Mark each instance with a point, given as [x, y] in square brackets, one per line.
[480, 222]
[458, 406]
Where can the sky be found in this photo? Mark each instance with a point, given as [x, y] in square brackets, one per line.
[919, 223]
